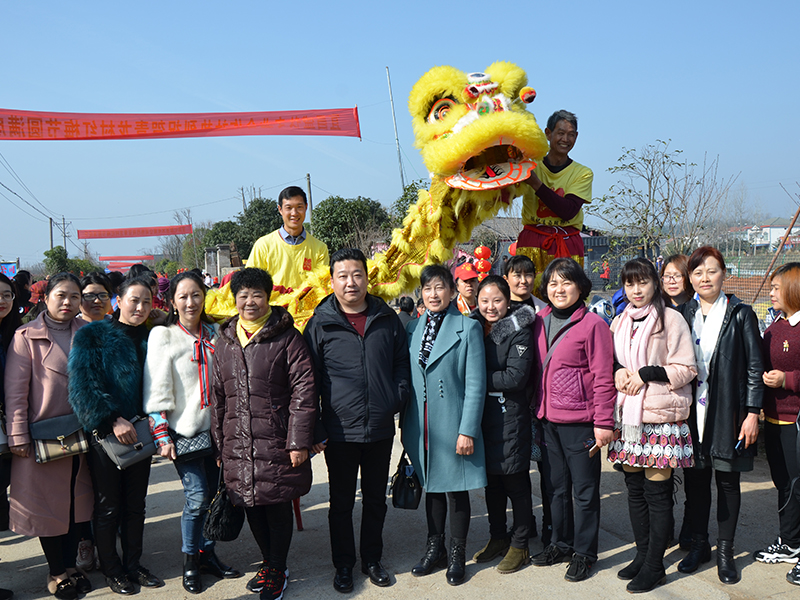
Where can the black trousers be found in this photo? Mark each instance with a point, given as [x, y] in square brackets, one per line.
[698, 495]
[781, 446]
[119, 505]
[344, 459]
[61, 550]
[436, 513]
[517, 488]
[571, 475]
[272, 526]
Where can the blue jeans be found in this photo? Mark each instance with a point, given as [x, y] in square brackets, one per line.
[199, 477]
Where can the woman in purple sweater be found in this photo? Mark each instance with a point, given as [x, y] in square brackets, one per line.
[575, 404]
[781, 405]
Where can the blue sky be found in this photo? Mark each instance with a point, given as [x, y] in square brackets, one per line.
[715, 77]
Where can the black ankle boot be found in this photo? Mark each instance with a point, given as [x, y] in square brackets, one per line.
[658, 495]
[191, 574]
[726, 566]
[456, 561]
[699, 552]
[435, 556]
[640, 522]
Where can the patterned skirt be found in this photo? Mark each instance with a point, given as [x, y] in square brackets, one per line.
[662, 446]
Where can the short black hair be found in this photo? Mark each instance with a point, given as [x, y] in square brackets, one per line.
[562, 115]
[291, 192]
[569, 270]
[431, 272]
[407, 304]
[116, 278]
[97, 278]
[252, 278]
[497, 281]
[137, 270]
[520, 264]
[60, 278]
[348, 254]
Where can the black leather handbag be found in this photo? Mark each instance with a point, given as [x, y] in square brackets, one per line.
[224, 521]
[405, 486]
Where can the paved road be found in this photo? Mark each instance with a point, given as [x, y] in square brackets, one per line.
[23, 568]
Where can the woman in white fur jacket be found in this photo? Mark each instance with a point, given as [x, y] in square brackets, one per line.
[177, 395]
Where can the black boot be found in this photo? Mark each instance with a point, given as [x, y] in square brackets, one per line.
[211, 564]
[435, 556]
[640, 522]
[726, 566]
[699, 552]
[456, 561]
[658, 495]
[191, 574]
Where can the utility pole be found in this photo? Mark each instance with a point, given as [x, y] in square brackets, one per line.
[244, 202]
[64, 230]
[396, 138]
[308, 187]
[194, 243]
[51, 233]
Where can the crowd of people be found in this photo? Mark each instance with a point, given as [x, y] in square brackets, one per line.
[484, 377]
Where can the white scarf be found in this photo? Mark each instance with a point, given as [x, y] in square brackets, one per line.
[631, 352]
[705, 333]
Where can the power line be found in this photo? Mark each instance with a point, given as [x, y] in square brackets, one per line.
[22, 209]
[10, 169]
[45, 215]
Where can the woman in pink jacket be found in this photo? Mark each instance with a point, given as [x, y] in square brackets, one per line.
[575, 405]
[653, 371]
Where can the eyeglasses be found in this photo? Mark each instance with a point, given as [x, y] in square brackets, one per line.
[103, 297]
[7, 296]
[674, 278]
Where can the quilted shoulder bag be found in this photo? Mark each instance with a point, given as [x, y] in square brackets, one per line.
[58, 437]
[190, 448]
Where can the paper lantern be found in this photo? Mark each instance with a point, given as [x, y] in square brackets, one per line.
[482, 252]
[512, 249]
[482, 265]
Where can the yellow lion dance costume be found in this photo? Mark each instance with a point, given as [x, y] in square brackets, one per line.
[479, 143]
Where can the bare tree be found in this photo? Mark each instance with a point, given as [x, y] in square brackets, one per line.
[660, 200]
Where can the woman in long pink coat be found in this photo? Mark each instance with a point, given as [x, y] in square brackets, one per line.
[48, 499]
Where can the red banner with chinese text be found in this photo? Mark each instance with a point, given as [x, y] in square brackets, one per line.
[132, 232]
[31, 125]
[127, 258]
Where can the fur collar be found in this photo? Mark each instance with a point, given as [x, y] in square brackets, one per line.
[516, 319]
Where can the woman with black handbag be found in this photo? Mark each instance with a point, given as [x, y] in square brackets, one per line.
[48, 499]
[177, 395]
[265, 409]
[106, 368]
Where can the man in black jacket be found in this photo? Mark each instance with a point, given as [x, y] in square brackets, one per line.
[361, 360]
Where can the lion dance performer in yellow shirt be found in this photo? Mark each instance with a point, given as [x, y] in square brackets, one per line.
[480, 144]
[552, 217]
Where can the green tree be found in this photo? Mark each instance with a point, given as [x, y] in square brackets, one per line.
[259, 218]
[350, 223]
[165, 265]
[57, 261]
[194, 248]
[399, 208]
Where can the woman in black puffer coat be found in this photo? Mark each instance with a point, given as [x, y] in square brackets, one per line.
[506, 421]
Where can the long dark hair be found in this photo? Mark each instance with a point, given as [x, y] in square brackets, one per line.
[173, 316]
[12, 320]
[642, 270]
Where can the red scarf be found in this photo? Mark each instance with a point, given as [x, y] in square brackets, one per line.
[202, 344]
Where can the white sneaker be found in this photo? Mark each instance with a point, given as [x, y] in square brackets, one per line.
[777, 552]
[85, 559]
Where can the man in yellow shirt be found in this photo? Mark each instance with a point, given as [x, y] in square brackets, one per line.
[290, 252]
[552, 217]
